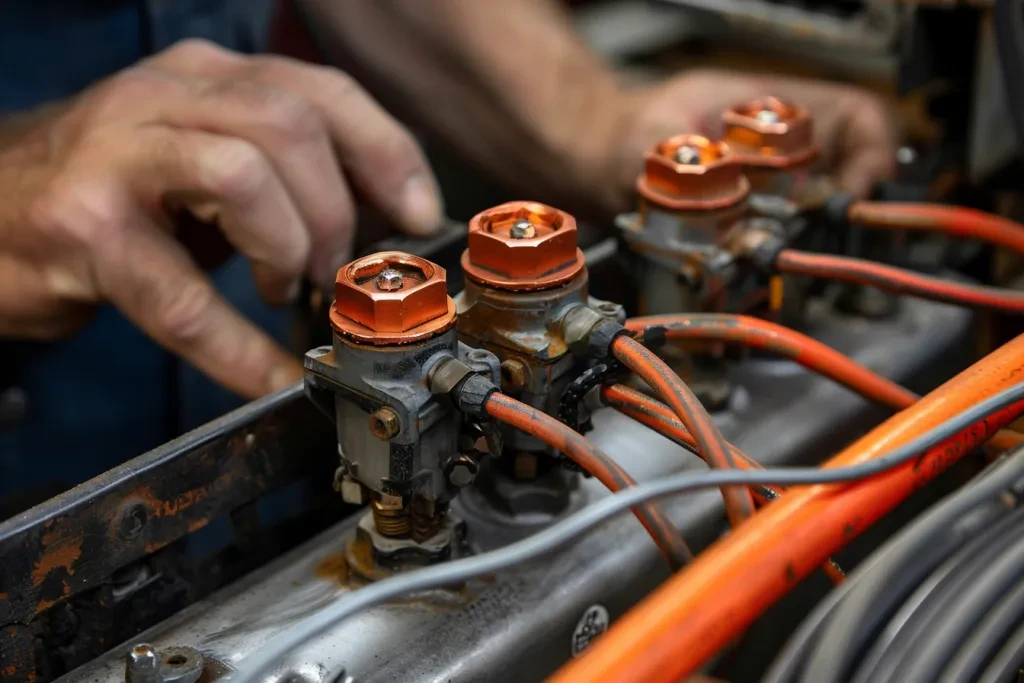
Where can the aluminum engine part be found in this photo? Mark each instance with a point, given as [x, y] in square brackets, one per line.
[523, 624]
[392, 321]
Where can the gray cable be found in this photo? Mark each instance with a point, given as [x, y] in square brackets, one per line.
[574, 526]
[958, 511]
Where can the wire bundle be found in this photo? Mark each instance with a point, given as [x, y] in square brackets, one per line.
[941, 601]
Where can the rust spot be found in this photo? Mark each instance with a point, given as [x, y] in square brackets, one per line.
[60, 554]
[334, 567]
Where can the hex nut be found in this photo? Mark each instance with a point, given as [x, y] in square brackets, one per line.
[502, 252]
[384, 424]
[784, 139]
[461, 471]
[370, 309]
[715, 181]
[514, 374]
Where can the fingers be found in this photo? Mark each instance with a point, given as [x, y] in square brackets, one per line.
[381, 157]
[151, 279]
[255, 211]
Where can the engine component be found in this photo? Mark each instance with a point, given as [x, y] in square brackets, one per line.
[393, 321]
[524, 275]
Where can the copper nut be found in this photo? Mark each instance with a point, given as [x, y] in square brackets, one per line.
[522, 245]
[692, 173]
[769, 132]
[391, 298]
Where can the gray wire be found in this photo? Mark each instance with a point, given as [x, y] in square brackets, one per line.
[574, 526]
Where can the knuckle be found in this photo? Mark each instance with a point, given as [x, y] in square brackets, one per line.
[235, 170]
[196, 50]
[84, 214]
[392, 156]
[293, 118]
[185, 314]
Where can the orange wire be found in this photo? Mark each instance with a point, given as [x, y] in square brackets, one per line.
[739, 504]
[592, 459]
[954, 221]
[810, 353]
[699, 611]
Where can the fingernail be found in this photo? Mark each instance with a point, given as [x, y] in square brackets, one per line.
[419, 205]
[284, 375]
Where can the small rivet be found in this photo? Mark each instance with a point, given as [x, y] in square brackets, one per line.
[522, 230]
[390, 280]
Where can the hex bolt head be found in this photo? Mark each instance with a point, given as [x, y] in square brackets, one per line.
[522, 230]
[687, 154]
[390, 280]
[462, 471]
[514, 374]
[142, 665]
[767, 116]
[384, 424]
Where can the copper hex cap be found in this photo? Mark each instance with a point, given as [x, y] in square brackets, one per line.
[522, 246]
[770, 132]
[692, 173]
[391, 298]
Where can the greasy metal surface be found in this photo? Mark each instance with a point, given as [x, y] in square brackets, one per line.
[520, 626]
[355, 380]
[711, 179]
[76, 541]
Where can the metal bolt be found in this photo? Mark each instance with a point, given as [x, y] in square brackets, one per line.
[906, 155]
[522, 230]
[687, 154]
[462, 471]
[513, 374]
[384, 424]
[390, 280]
[767, 116]
[142, 665]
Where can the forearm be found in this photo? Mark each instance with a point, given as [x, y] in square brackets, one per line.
[513, 88]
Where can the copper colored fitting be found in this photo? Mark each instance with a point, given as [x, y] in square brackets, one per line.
[391, 298]
[770, 132]
[692, 173]
[522, 246]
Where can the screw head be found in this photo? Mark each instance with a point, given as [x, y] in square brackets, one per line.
[142, 657]
[522, 230]
[767, 116]
[688, 154]
[390, 280]
[384, 424]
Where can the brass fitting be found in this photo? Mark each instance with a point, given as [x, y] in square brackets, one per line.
[514, 374]
[692, 173]
[391, 298]
[522, 246]
[384, 424]
[770, 133]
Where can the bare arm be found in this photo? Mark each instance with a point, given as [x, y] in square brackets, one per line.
[511, 86]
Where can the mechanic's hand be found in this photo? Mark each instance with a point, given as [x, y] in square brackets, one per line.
[273, 148]
[851, 126]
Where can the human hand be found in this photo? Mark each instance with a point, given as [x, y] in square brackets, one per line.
[851, 127]
[273, 148]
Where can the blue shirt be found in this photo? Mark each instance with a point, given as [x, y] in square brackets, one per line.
[108, 393]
